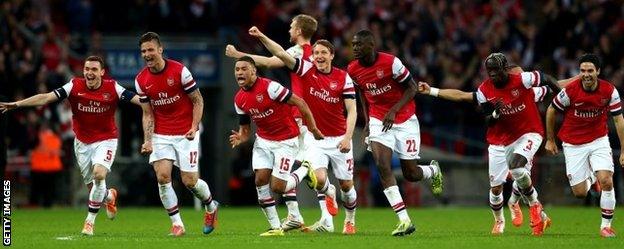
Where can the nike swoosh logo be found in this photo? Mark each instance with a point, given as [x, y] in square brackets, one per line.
[579, 104]
[148, 87]
[80, 94]
[490, 99]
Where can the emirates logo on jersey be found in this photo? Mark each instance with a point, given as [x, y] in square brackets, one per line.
[515, 93]
[333, 85]
[380, 73]
[170, 81]
[259, 98]
[106, 96]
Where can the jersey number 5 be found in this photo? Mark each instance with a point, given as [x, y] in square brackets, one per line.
[109, 155]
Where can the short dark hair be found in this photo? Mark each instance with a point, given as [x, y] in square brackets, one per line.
[326, 44]
[247, 59]
[365, 34]
[591, 58]
[96, 58]
[150, 36]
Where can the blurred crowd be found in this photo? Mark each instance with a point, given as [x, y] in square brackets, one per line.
[43, 43]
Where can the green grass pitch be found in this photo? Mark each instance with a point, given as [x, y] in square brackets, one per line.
[458, 227]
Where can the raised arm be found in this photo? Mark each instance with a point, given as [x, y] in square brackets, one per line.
[261, 61]
[273, 47]
[307, 115]
[36, 100]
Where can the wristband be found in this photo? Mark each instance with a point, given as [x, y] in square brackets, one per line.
[434, 91]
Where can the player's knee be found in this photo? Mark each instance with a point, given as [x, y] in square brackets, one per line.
[99, 176]
[497, 190]
[517, 161]
[346, 185]
[163, 178]
[606, 184]
[278, 188]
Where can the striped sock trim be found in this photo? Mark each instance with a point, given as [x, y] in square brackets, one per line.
[607, 213]
[350, 206]
[528, 192]
[496, 207]
[173, 210]
[94, 206]
[320, 197]
[399, 207]
[267, 202]
[296, 179]
[207, 201]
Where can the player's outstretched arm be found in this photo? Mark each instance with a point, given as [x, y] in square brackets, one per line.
[345, 145]
[240, 136]
[551, 145]
[619, 127]
[198, 110]
[273, 47]
[448, 94]
[307, 115]
[261, 61]
[36, 100]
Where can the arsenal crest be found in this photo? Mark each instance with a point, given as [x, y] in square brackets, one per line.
[259, 98]
[106, 96]
[333, 85]
[170, 81]
[380, 73]
[515, 92]
[604, 101]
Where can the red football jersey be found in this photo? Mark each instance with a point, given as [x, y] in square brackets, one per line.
[520, 114]
[93, 111]
[585, 113]
[167, 91]
[298, 52]
[383, 86]
[324, 94]
[265, 103]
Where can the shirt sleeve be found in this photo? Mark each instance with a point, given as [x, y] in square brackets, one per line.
[399, 71]
[188, 83]
[348, 91]
[142, 97]
[278, 92]
[480, 96]
[615, 104]
[302, 66]
[562, 100]
[531, 79]
[539, 93]
[123, 93]
[239, 111]
[63, 92]
[295, 51]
